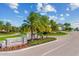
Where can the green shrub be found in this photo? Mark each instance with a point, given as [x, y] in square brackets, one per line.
[40, 41]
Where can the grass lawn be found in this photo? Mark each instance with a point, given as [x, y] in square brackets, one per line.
[40, 41]
[6, 34]
[3, 36]
[56, 34]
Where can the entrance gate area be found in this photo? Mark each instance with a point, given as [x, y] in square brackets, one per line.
[9, 42]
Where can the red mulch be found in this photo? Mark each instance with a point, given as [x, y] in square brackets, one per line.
[14, 47]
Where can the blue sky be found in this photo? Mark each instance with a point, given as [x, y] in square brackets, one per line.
[60, 12]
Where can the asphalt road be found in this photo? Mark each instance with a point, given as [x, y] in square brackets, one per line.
[64, 46]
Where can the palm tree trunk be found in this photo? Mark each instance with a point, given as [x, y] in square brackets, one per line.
[6, 43]
[37, 36]
[42, 37]
[31, 33]
[34, 36]
[23, 40]
[46, 36]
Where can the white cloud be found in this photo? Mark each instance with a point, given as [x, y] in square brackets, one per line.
[62, 18]
[50, 8]
[53, 18]
[16, 11]
[75, 24]
[43, 13]
[20, 16]
[61, 15]
[39, 7]
[74, 6]
[45, 8]
[9, 20]
[25, 11]
[6, 20]
[68, 9]
[67, 14]
[13, 5]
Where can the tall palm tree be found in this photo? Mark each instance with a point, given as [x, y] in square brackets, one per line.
[33, 22]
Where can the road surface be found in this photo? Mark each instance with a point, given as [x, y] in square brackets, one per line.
[66, 46]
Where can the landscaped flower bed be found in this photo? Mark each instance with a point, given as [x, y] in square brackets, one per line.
[14, 47]
[40, 41]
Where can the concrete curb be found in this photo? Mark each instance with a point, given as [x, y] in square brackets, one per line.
[27, 47]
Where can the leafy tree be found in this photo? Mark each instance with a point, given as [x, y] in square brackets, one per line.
[76, 29]
[14, 29]
[45, 23]
[67, 27]
[1, 25]
[37, 23]
[24, 28]
[53, 25]
[7, 26]
[44, 27]
[33, 22]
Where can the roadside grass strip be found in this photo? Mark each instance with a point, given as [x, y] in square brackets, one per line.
[4, 38]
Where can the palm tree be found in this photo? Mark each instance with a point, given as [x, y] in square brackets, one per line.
[44, 20]
[33, 22]
[37, 23]
[53, 25]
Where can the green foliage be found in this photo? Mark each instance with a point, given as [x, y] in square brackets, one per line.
[40, 24]
[7, 27]
[53, 25]
[40, 41]
[24, 28]
[36, 23]
[1, 25]
[67, 27]
[7, 36]
[76, 29]
[44, 20]
[55, 34]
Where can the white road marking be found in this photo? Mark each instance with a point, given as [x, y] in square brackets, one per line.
[53, 49]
